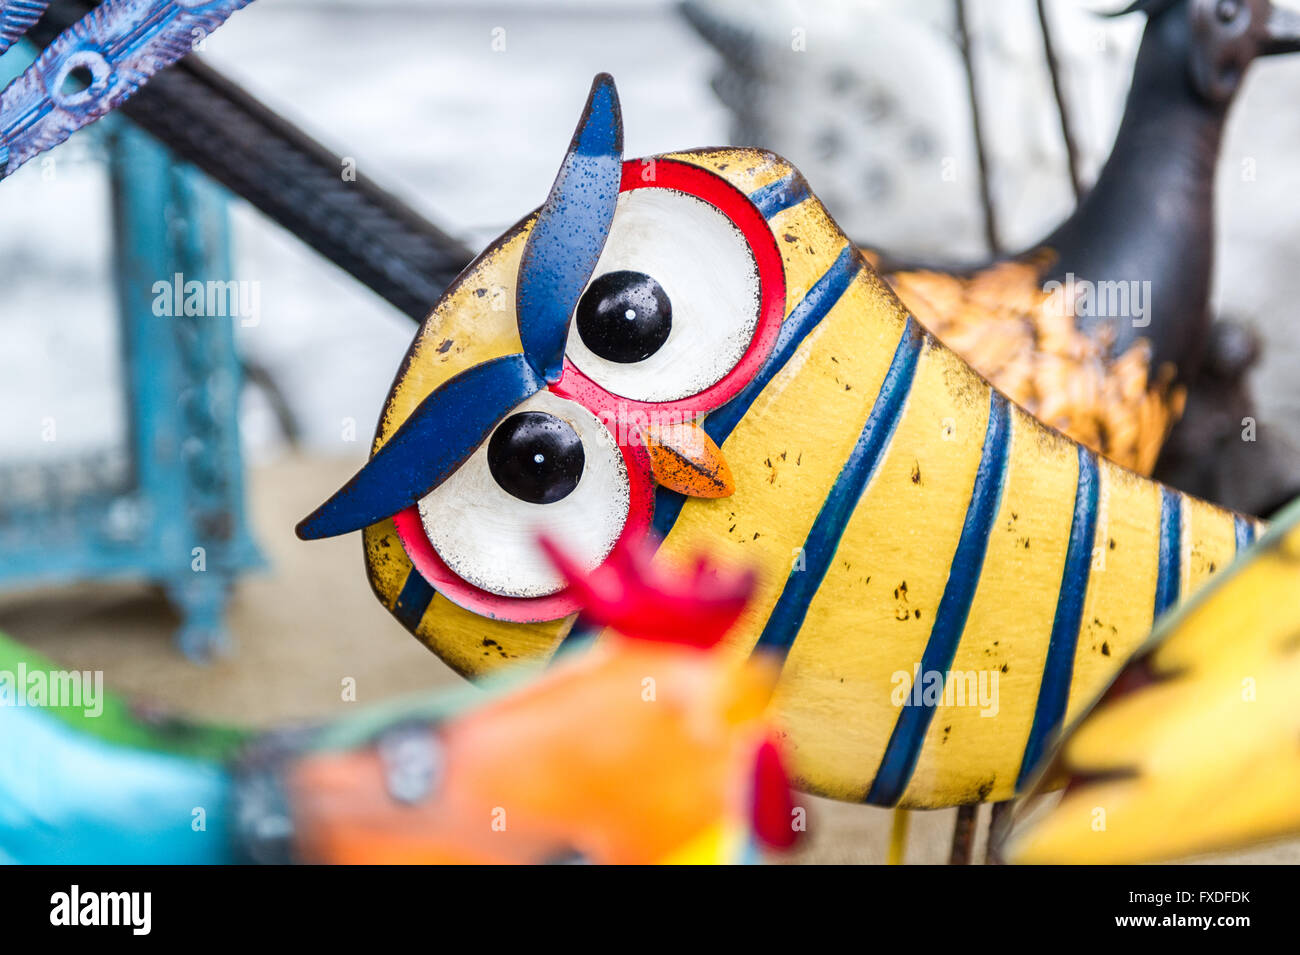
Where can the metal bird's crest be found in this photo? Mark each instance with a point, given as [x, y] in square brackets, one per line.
[569, 234]
[560, 255]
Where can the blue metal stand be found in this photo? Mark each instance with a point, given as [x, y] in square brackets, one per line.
[178, 517]
[173, 228]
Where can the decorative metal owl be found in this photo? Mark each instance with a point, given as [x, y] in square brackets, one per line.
[687, 346]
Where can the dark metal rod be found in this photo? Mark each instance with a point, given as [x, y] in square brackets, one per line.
[963, 835]
[1062, 108]
[997, 821]
[972, 88]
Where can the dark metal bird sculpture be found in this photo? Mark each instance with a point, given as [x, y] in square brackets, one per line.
[1150, 216]
[1132, 265]
[1096, 328]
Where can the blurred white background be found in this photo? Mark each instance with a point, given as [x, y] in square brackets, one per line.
[464, 109]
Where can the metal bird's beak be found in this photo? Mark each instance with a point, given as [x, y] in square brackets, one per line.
[684, 459]
[1282, 34]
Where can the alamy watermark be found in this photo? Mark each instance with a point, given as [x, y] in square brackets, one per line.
[629, 425]
[133, 910]
[178, 297]
[931, 688]
[61, 689]
[1083, 298]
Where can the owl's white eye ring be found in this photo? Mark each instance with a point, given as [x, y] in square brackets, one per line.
[487, 534]
[689, 234]
[679, 255]
[476, 542]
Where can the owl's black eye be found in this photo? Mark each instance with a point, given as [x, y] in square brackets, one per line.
[536, 457]
[624, 317]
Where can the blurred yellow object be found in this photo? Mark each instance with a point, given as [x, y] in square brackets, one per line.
[1195, 748]
[898, 837]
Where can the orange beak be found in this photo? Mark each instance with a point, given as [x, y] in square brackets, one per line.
[684, 459]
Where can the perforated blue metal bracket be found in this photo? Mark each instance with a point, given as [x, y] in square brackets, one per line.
[114, 49]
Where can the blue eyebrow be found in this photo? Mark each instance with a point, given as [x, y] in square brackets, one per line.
[441, 433]
[565, 242]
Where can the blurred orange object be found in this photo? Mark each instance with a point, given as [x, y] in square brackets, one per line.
[649, 747]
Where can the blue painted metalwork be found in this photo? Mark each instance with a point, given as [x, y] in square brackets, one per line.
[178, 516]
[442, 431]
[566, 240]
[1244, 531]
[785, 193]
[16, 18]
[173, 223]
[908, 736]
[1054, 690]
[119, 45]
[417, 593]
[1171, 550]
[787, 617]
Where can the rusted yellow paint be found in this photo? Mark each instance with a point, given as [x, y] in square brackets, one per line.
[810, 242]
[468, 643]
[883, 587]
[1257, 611]
[834, 699]
[1211, 543]
[968, 747]
[474, 321]
[789, 472]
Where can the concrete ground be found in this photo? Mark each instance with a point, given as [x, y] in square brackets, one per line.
[310, 621]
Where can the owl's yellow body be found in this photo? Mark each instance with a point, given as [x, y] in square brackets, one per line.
[961, 519]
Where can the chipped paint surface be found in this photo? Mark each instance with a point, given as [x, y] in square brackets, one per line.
[685, 459]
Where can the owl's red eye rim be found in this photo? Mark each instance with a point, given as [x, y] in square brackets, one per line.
[745, 216]
[418, 547]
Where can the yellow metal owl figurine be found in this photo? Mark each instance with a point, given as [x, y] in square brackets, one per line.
[687, 346]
